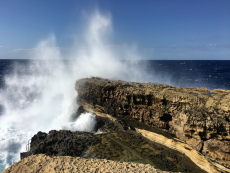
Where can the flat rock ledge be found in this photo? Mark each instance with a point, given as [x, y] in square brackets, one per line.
[198, 117]
[64, 164]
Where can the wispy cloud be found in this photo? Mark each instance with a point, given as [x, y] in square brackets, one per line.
[216, 37]
[198, 47]
[117, 46]
[32, 49]
[186, 47]
[15, 50]
[149, 49]
[219, 45]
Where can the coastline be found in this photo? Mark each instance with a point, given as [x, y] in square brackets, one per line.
[173, 128]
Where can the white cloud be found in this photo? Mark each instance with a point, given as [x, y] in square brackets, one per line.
[213, 45]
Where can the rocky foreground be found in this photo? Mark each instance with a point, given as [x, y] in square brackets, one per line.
[200, 118]
[118, 144]
[66, 164]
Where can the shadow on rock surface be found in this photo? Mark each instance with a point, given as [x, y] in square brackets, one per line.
[120, 143]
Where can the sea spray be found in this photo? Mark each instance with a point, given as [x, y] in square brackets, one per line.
[40, 95]
[85, 123]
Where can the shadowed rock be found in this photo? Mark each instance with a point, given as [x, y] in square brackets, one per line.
[119, 144]
[61, 143]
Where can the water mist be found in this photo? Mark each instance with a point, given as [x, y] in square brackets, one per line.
[40, 95]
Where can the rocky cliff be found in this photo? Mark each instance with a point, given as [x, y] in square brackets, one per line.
[196, 116]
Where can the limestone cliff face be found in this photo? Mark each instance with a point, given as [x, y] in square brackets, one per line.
[199, 117]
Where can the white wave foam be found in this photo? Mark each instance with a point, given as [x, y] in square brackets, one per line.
[40, 96]
[85, 123]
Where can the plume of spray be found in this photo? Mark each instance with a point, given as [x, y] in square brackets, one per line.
[40, 95]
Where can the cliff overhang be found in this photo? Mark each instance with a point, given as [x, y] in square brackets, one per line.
[195, 118]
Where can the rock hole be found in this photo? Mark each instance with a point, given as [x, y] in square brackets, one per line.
[203, 135]
[227, 119]
[100, 123]
[126, 106]
[166, 118]
[150, 101]
[129, 99]
[164, 102]
[167, 126]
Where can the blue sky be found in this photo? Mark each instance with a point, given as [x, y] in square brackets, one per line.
[160, 29]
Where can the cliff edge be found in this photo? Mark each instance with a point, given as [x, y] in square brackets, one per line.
[197, 117]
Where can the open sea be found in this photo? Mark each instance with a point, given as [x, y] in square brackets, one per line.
[211, 74]
[39, 95]
[191, 73]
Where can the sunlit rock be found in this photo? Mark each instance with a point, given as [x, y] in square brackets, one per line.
[197, 116]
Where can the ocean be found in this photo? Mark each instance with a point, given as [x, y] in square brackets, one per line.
[39, 95]
[211, 74]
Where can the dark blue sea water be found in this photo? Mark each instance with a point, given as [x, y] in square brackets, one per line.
[211, 74]
[189, 73]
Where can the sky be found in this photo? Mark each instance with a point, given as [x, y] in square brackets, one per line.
[158, 29]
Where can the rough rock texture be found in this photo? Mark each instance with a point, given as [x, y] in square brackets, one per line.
[61, 143]
[118, 144]
[199, 117]
[66, 164]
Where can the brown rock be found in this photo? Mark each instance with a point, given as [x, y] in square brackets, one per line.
[66, 164]
[199, 117]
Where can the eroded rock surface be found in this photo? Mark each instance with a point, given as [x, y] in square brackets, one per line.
[61, 143]
[199, 117]
[66, 164]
